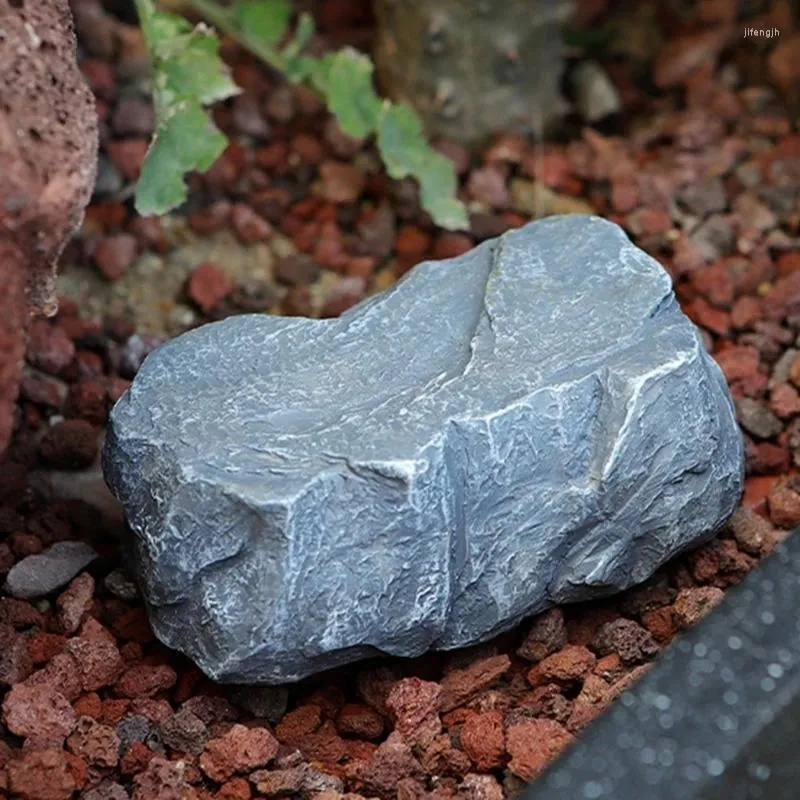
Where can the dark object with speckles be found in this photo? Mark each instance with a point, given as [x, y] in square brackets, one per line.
[716, 718]
[472, 68]
[533, 422]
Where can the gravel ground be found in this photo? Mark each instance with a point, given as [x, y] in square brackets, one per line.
[703, 171]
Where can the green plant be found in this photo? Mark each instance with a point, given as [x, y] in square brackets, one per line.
[188, 75]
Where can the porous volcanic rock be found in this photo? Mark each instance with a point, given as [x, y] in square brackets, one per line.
[48, 152]
[533, 422]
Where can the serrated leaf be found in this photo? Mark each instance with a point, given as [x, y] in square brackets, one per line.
[438, 186]
[405, 152]
[263, 22]
[187, 75]
[401, 140]
[350, 94]
[186, 141]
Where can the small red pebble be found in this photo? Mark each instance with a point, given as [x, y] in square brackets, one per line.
[533, 744]
[87, 400]
[71, 444]
[483, 740]
[115, 254]
[128, 156]
[568, 664]
[45, 775]
[89, 705]
[74, 603]
[450, 245]
[40, 713]
[249, 226]
[49, 348]
[145, 680]
[207, 285]
[738, 362]
[240, 750]
[784, 507]
[411, 240]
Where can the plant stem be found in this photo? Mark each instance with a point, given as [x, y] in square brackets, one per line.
[221, 18]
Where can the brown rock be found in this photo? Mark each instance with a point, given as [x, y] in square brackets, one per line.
[532, 744]
[750, 530]
[162, 780]
[300, 722]
[340, 182]
[49, 348]
[98, 663]
[48, 144]
[240, 750]
[548, 634]
[207, 285]
[392, 761]
[43, 775]
[145, 680]
[483, 740]
[71, 444]
[39, 713]
[414, 706]
[74, 603]
[568, 664]
[184, 732]
[60, 673]
[15, 660]
[358, 719]
[692, 604]
[480, 787]
[784, 507]
[114, 254]
[626, 638]
[461, 684]
[249, 226]
[660, 623]
[738, 363]
[279, 782]
[94, 742]
[374, 686]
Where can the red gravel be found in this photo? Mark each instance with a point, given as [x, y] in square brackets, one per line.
[95, 707]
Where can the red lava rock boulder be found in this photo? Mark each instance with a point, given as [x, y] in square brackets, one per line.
[240, 750]
[532, 744]
[39, 713]
[145, 680]
[99, 663]
[48, 145]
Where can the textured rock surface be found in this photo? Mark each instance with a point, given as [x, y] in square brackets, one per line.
[48, 144]
[40, 574]
[533, 422]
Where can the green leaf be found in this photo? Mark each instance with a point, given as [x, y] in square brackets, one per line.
[350, 94]
[187, 75]
[263, 22]
[405, 153]
[187, 140]
[401, 140]
[438, 186]
[301, 68]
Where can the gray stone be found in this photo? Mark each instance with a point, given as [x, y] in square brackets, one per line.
[40, 574]
[531, 423]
